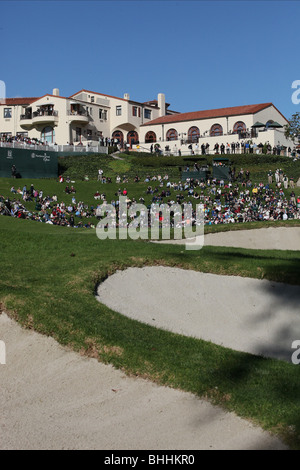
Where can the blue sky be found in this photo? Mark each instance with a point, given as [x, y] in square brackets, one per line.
[202, 55]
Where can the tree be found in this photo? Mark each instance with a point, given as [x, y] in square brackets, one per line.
[292, 130]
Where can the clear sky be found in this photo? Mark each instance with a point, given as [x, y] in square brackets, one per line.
[202, 55]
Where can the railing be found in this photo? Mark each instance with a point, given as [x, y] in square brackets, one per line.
[25, 116]
[92, 148]
[44, 112]
[77, 113]
[26, 146]
[240, 135]
[56, 148]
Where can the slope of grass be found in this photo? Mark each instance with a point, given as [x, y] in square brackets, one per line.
[144, 163]
[48, 279]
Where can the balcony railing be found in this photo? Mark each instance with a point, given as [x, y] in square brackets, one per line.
[44, 112]
[78, 113]
[25, 117]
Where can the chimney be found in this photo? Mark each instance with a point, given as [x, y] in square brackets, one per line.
[126, 96]
[161, 102]
[55, 91]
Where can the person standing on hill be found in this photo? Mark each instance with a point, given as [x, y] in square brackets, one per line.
[270, 178]
[293, 198]
[100, 174]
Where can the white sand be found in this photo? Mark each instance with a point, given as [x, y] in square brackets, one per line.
[52, 398]
[250, 315]
[279, 238]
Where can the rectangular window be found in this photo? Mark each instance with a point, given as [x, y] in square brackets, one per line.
[22, 134]
[134, 110]
[147, 113]
[118, 110]
[103, 114]
[7, 113]
[92, 99]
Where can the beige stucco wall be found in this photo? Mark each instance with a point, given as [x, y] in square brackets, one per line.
[11, 125]
[65, 125]
[273, 137]
[204, 126]
[270, 114]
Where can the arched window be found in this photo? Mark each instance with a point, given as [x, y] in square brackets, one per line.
[216, 130]
[193, 134]
[172, 134]
[48, 135]
[239, 126]
[269, 123]
[150, 137]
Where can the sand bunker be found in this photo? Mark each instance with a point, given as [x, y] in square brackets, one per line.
[249, 315]
[52, 398]
[279, 238]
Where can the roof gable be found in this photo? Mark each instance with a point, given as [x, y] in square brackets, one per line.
[52, 96]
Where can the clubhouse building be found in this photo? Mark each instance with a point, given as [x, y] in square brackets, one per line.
[87, 118]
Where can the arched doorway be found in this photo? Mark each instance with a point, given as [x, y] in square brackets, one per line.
[132, 138]
[119, 136]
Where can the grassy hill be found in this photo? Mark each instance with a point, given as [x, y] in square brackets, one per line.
[142, 164]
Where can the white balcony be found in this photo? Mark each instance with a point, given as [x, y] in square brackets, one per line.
[45, 118]
[26, 122]
[80, 117]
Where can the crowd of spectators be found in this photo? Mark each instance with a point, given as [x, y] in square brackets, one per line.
[47, 209]
[21, 139]
[248, 146]
[236, 201]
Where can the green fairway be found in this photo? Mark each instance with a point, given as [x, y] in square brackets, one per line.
[49, 275]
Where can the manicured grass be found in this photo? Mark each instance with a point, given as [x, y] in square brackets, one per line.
[144, 163]
[48, 280]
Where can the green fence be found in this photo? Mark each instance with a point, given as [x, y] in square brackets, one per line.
[221, 166]
[28, 163]
[221, 172]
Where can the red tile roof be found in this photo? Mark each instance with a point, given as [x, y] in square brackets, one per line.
[211, 113]
[17, 101]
